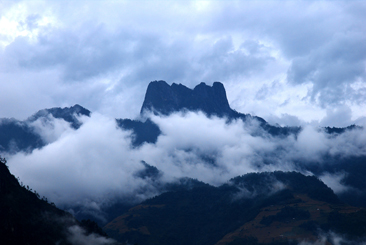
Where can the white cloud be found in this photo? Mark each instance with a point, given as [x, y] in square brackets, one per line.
[96, 163]
[88, 164]
[331, 238]
[334, 181]
[77, 236]
[50, 129]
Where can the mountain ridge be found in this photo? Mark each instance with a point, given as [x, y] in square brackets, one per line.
[66, 113]
[289, 204]
[16, 135]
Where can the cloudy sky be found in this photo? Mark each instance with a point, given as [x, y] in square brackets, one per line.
[290, 62]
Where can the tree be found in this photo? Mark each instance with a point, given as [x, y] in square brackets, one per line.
[3, 161]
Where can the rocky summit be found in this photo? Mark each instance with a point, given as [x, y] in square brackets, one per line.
[165, 99]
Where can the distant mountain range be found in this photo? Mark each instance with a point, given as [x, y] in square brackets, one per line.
[257, 208]
[160, 98]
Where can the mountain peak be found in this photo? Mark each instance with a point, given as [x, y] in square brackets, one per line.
[67, 113]
[165, 99]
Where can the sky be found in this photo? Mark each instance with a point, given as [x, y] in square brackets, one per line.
[290, 62]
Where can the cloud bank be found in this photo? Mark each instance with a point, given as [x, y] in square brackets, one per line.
[96, 164]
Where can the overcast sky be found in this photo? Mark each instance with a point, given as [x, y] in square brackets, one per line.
[290, 62]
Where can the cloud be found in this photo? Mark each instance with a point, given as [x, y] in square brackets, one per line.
[289, 62]
[332, 69]
[332, 238]
[339, 117]
[285, 120]
[334, 181]
[188, 138]
[78, 236]
[95, 165]
[88, 164]
[49, 128]
[272, 186]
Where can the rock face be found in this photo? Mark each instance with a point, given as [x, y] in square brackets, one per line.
[161, 98]
[165, 99]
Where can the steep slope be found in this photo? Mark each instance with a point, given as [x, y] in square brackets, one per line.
[27, 219]
[289, 206]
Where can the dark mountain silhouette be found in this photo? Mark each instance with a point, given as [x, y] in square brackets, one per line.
[68, 114]
[259, 207]
[146, 131]
[335, 130]
[27, 219]
[18, 135]
[162, 98]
